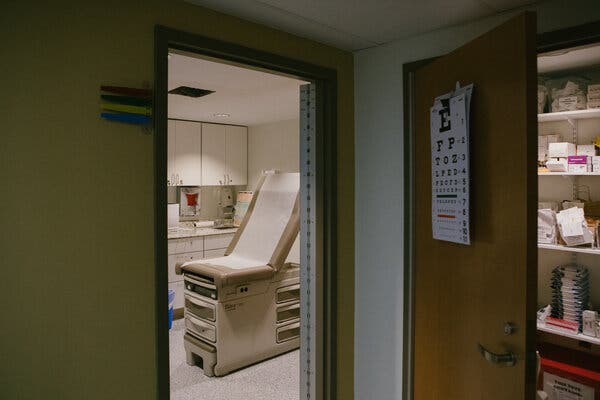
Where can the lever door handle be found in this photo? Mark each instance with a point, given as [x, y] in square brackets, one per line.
[504, 360]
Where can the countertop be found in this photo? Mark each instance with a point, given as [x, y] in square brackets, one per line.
[187, 231]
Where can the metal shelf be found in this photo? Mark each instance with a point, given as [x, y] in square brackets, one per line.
[569, 115]
[558, 247]
[568, 173]
[577, 336]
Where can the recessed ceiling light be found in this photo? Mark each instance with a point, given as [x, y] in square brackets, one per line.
[221, 115]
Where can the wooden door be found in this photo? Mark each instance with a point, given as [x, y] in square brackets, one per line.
[464, 295]
[237, 155]
[188, 152]
[213, 154]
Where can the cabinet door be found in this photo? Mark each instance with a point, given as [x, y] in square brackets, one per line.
[171, 132]
[188, 152]
[213, 154]
[237, 155]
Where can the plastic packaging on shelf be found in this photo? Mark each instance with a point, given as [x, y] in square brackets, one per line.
[546, 226]
[542, 95]
[568, 94]
[573, 227]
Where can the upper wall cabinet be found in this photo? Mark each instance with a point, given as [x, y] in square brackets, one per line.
[184, 152]
[224, 155]
[236, 155]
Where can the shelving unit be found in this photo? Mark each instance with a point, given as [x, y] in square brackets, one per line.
[568, 173]
[577, 336]
[558, 247]
[577, 127]
[569, 115]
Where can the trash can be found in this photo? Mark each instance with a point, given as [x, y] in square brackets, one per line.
[171, 300]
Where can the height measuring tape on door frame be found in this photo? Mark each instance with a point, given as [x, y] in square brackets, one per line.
[307, 246]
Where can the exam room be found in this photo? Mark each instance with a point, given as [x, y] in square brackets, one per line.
[233, 227]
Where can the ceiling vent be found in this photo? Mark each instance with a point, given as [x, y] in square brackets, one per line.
[190, 91]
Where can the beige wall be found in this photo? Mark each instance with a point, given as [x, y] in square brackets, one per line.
[77, 270]
[274, 145]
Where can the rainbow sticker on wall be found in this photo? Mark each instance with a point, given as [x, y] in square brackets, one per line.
[123, 104]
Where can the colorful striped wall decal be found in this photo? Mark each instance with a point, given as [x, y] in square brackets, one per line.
[132, 101]
[127, 108]
[126, 117]
[125, 104]
[126, 91]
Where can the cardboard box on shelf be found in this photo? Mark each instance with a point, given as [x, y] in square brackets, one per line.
[579, 160]
[558, 164]
[578, 168]
[595, 88]
[596, 163]
[561, 149]
[586, 150]
[542, 154]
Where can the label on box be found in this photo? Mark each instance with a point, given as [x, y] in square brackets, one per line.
[579, 160]
[559, 388]
[568, 103]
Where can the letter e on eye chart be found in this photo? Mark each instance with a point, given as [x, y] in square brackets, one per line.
[450, 166]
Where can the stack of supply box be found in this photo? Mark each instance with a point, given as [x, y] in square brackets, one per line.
[570, 297]
[593, 96]
[543, 142]
[566, 157]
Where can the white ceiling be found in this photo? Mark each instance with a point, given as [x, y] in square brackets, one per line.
[357, 24]
[569, 59]
[250, 97]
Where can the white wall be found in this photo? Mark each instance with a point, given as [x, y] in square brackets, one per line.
[379, 188]
[273, 146]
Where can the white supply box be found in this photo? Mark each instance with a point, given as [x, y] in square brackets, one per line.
[558, 164]
[596, 163]
[594, 88]
[586, 150]
[578, 168]
[561, 149]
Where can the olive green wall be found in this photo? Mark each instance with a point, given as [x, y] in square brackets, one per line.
[77, 270]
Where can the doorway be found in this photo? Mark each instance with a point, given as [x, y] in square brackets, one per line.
[317, 245]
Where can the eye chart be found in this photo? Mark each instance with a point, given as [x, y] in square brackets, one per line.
[450, 166]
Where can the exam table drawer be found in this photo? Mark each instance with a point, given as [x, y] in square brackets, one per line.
[288, 332]
[199, 308]
[199, 328]
[288, 293]
[288, 313]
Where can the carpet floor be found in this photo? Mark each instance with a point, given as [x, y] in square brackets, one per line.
[273, 379]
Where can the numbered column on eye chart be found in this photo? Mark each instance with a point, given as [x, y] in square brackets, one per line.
[450, 169]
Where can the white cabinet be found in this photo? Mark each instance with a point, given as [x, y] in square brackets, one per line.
[213, 154]
[184, 153]
[224, 155]
[236, 155]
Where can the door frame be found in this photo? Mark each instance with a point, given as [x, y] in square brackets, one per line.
[325, 80]
[549, 41]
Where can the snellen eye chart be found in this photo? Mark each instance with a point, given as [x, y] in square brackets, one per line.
[450, 166]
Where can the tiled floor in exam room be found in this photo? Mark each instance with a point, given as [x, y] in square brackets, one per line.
[274, 379]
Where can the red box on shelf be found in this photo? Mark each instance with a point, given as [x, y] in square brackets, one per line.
[560, 380]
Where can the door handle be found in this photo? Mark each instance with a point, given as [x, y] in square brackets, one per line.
[504, 360]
